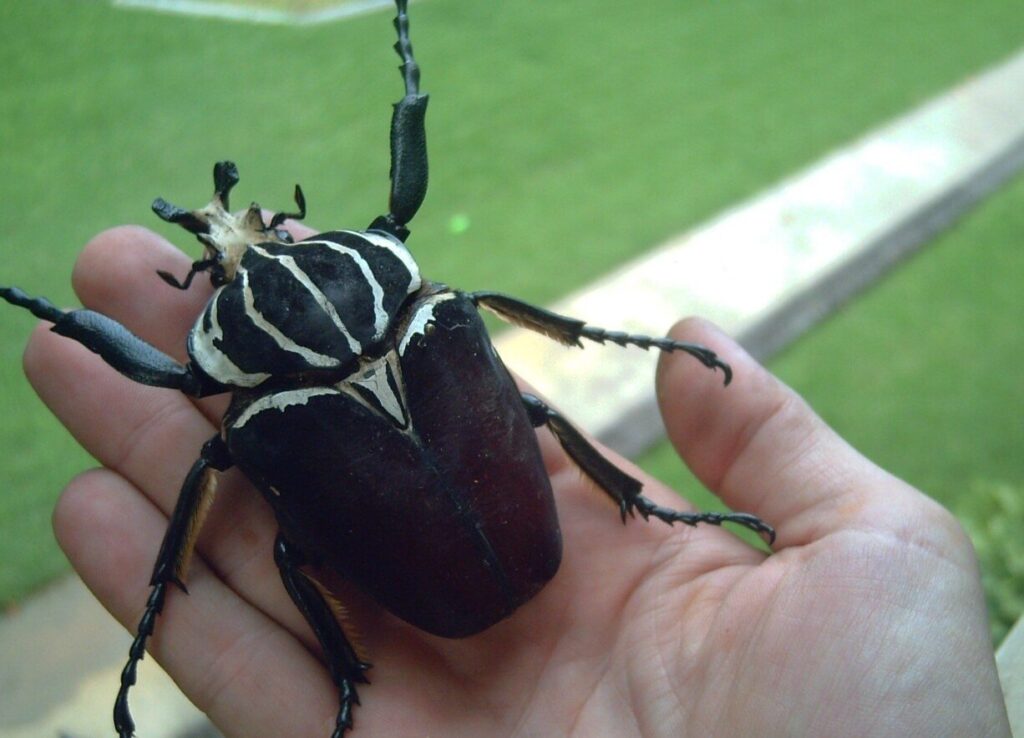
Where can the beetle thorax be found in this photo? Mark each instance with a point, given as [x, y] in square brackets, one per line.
[309, 311]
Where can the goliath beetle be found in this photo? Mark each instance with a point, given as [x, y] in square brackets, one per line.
[425, 449]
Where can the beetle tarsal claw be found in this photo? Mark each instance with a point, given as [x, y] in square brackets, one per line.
[670, 516]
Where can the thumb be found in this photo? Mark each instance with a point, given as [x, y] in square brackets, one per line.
[761, 449]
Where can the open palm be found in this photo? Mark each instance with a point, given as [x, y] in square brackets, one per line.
[867, 619]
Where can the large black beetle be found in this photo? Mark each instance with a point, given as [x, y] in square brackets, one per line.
[371, 410]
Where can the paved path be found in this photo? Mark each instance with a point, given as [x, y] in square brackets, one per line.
[247, 14]
[765, 271]
[768, 269]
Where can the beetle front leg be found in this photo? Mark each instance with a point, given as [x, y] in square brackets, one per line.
[408, 140]
[172, 563]
[570, 331]
[116, 345]
[618, 485]
[343, 662]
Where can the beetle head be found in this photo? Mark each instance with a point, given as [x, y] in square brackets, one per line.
[224, 235]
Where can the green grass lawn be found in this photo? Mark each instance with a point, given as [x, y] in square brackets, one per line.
[923, 375]
[568, 136]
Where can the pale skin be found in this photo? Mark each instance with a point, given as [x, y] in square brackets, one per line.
[867, 620]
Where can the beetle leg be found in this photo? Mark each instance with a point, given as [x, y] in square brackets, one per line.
[343, 661]
[408, 140]
[172, 563]
[621, 487]
[570, 331]
[116, 345]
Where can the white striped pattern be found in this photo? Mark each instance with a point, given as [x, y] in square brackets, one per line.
[374, 379]
[400, 252]
[280, 401]
[424, 316]
[380, 316]
[321, 299]
[211, 359]
[311, 357]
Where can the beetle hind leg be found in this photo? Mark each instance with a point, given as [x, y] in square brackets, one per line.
[343, 661]
[171, 564]
[621, 487]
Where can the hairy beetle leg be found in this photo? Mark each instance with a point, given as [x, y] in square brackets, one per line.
[343, 662]
[570, 331]
[172, 563]
[621, 487]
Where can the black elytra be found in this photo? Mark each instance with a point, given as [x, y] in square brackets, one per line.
[370, 409]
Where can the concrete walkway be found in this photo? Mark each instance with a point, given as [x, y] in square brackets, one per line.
[340, 10]
[765, 271]
[770, 268]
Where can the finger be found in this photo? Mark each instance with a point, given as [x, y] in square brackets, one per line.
[247, 673]
[116, 274]
[152, 437]
[760, 447]
[592, 527]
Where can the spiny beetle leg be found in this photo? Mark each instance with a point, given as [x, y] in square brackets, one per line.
[409, 170]
[116, 345]
[570, 331]
[403, 46]
[616, 483]
[343, 661]
[647, 508]
[621, 487]
[171, 563]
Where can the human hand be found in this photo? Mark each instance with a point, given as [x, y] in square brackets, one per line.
[867, 620]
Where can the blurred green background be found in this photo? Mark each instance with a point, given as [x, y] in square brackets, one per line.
[565, 137]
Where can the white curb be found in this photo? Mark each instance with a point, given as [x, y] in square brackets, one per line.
[768, 269]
